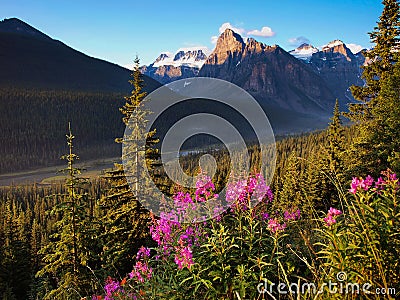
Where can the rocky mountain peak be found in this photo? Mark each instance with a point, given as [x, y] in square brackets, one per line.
[304, 51]
[337, 46]
[254, 46]
[229, 43]
[305, 46]
[163, 56]
[189, 57]
[195, 54]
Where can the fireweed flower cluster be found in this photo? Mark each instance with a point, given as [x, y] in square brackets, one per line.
[292, 215]
[141, 269]
[183, 257]
[112, 289]
[239, 193]
[204, 189]
[359, 183]
[176, 239]
[274, 226]
[331, 216]
[369, 183]
[143, 253]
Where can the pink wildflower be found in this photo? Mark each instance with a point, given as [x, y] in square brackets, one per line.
[294, 215]
[183, 257]
[204, 189]
[275, 226]
[330, 217]
[143, 253]
[111, 287]
[368, 181]
[329, 220]
[355, 183]
[141, 271]
[265, 216]
[334, 212]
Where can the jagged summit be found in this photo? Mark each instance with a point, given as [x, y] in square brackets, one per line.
[188, 57]
[333, 44]
[337, 46]
[304, 51]
[15, 25]
[228, 43]
[269, 73]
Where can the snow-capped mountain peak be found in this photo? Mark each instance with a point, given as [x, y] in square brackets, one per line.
[165, 56]
[333, 44]
[191, 57]
[304, 51]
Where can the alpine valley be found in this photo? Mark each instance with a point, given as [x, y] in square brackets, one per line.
[43, 89]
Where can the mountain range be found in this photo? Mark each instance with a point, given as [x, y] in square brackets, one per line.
[305, 79]
[185, 63]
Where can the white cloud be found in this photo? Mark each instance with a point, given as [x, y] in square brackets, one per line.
[264, 32]
[229, 25]
[354, 48]
[297, 41]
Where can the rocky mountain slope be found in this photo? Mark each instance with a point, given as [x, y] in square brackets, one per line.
[339, 67]
[269, 73]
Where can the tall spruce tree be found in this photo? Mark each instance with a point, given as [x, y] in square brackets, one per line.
[335, 148]
[14, 257]
[325, 169]
[365, 155]
[67, 253]
[379, 61]
[125, 219]
[378, 144]
[291, 192]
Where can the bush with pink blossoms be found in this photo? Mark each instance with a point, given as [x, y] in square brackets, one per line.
[228, 256]
[364, 240]
[224, 257]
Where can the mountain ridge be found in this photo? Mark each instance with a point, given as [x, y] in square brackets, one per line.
[50, 64]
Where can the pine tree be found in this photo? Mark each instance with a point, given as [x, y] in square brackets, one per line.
[291, 192]
[15, 259]
[367, 154]
[329, 165]
[380, 61]
[67, 253]
[335, 147]
[378, 145]
[126, 220]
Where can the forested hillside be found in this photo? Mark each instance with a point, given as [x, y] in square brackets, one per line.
[34, 123]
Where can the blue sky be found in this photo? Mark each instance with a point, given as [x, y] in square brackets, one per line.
[118, 30]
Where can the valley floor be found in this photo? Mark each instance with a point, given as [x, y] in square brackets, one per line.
[44, 176]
